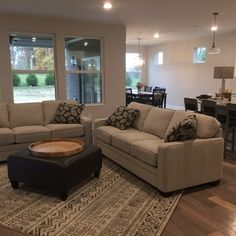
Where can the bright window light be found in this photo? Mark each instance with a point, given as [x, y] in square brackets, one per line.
[199, 55]
[158, 59]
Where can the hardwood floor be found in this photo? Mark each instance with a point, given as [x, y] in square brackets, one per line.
[205, 210]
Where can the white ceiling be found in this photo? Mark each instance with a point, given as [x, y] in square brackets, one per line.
[173, 19]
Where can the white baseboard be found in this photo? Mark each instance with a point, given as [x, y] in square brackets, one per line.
[174, 107]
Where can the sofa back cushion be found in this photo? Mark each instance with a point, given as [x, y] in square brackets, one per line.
[157, 121]
[50, 108]
[25, 114]
[207, 126]
[4, 118]
[143, 112]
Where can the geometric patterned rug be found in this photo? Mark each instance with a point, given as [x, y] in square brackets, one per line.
[117, 203]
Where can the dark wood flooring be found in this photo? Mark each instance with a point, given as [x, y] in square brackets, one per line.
[205, 210]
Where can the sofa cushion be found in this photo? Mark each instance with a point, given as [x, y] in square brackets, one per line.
[50, 107]
[122, 117]
[68, 113]
[143, 111]
[184, 130]
[125, 138]
[146, 150]
[25, 114]
[207, 126]
[105, 133]
[66, 130]
[157, 121]
[6, 136]
[4, 118]
[27, 134]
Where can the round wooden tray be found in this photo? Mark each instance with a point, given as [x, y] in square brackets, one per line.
[56, 147]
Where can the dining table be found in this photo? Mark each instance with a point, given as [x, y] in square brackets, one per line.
[143, 96]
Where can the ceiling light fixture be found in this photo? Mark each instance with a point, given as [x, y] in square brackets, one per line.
[156, 36]
[139, 61]
[107, 5]
[33, 39]
[85, 44]
[214, 49]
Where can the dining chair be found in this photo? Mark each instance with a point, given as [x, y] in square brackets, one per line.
[221, 115]
[148, 88]
[158, 98]
[208, 107]
[191, 104]
[162, 90]
[230, 126]
[128, 96]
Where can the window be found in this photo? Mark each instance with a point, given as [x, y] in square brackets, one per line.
[158, 59]
[32, 63]
[133, 73]
[83, 69]
[199, 55]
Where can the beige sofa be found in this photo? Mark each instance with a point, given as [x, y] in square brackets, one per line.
[168, 166]
[22, 124]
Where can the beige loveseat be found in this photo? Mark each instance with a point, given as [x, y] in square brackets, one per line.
[22, 124]
[168, 166]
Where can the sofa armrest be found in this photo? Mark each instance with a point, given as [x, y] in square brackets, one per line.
[189, 163]
[100, 122]
[87, 124]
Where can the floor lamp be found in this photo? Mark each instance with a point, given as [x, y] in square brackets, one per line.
[223, 72]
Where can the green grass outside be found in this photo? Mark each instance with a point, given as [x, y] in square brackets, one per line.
[135, 80]
[41, 79]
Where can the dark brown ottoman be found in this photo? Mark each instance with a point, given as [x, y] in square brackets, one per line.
[54, 173]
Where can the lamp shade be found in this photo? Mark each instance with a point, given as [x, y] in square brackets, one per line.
[223, 72]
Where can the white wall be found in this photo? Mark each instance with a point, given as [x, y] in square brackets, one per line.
[181, 77]
[113, 55]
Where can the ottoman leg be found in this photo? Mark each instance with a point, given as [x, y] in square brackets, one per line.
[14, 184]
[97, 173]
[64, 195]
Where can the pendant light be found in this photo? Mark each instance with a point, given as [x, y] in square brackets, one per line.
[213, 49]
[139, 61]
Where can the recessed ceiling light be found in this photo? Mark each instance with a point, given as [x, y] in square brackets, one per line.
[85, 44]
[214, 28]
[156, 36]
[107, 5]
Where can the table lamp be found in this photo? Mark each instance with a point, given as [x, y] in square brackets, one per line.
[223, 72]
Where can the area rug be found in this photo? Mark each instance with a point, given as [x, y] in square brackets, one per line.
[118, 203]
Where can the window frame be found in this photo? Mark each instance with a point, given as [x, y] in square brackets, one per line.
[100, 72]
[195, 59]
[35, 71]
[157, 59]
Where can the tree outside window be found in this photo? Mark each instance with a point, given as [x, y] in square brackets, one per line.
[199, 55]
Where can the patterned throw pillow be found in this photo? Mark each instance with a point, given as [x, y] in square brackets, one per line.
[68, 113]
[122, 118]
[184, 130]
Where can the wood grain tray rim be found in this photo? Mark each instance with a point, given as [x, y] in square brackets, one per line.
[78, 142]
